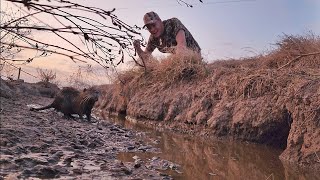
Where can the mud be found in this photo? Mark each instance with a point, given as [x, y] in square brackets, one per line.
[46, 145]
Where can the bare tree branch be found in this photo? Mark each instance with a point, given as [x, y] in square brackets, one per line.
[185, 3]
[105, 38]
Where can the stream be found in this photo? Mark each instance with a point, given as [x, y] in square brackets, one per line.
[200, 159]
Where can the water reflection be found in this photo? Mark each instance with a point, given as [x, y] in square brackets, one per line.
[203, 159]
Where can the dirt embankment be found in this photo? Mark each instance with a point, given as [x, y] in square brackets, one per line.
[46, 145]
[272, 99]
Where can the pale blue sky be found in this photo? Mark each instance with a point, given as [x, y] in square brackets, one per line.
[226, 29]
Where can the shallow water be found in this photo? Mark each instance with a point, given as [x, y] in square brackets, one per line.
[202, 159]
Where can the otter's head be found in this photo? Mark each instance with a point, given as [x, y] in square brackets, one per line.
[90, 96]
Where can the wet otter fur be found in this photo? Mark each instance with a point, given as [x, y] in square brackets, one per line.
[71, 101]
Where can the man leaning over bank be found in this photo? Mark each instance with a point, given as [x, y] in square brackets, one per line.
[169, 36]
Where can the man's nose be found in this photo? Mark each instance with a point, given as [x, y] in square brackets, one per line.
[152, 28]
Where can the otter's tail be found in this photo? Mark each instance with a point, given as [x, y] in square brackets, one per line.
[41, 108]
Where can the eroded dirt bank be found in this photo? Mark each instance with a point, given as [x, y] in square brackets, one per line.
[46, 145]
[272, 99]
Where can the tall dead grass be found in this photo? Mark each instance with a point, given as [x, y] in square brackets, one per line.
[169, 70]
[46, 75]
[300, 51]
[294, 57]
[179, 67]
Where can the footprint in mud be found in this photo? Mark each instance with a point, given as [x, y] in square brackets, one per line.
[10, 137]
[27, 162]
[44, 166]
[55, 157]
[38, 149]
[44, 172]
[6, 165]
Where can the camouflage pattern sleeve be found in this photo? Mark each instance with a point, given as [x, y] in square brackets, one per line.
[177, 26]
[150, 45]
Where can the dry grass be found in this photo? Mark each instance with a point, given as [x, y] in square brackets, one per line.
[295, 52]
[179, 67]
[164, 71]
[295, 57]
[159, 73]
[125, 77]
[46, 76]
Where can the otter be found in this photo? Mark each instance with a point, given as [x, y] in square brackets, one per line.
[72, 101]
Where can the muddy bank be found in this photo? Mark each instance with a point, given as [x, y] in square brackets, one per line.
[46, 145]
[272, 99]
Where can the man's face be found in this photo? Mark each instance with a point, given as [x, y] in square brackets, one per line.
[156, 29]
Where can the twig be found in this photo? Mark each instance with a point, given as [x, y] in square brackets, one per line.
[187, 4]
[317, 157]
[50, 51]
[297, 58]
[271, 175]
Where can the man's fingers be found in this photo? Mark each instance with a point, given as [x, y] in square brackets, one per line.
[136, 43]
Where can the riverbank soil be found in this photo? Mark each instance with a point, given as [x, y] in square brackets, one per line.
[46, 145]
[271, 99]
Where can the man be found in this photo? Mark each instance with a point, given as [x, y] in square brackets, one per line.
[169, 36]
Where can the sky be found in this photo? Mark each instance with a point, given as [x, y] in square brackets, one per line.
[223, 29]
[230, 29]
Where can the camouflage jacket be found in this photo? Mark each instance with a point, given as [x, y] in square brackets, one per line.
[167, 41]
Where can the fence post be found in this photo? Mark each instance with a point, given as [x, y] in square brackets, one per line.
[19, 73]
